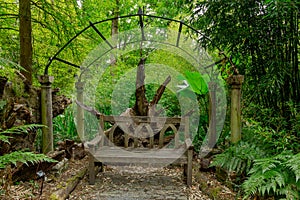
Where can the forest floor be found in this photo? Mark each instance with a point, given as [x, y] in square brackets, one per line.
[127, 183]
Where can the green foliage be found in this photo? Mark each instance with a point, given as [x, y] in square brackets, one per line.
[263, 39]
[196, 83]
[275, 176]
[199, 138]
[238, 158]
[20, 156]
[269, 139]
[4, 134]
[64, 126]
[2, 104]
[9, 70]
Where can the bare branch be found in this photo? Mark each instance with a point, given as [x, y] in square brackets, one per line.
[160, 91]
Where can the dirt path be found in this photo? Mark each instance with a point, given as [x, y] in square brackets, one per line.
[126, 183]
[137, 183]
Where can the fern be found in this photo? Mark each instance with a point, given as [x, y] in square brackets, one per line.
[22, 129]
[277, 176]
[293, 164]
[19, 156]
[23, 157]
[18, 130]
[238, 158]
[5, 138]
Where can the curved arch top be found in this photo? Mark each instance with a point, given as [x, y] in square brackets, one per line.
[140, 16]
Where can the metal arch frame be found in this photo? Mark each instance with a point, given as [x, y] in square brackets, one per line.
[140, 14]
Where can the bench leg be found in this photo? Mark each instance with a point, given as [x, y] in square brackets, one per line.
[100, 167]
[92, 173]
[189, 167]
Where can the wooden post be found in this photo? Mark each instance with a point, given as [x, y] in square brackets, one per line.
[189, 167]
[46, 112]
[235, 122]
[212, 139]
[80, 112]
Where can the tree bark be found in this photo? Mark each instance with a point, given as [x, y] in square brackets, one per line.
[115, 22]
[141, 104]
[142, 107]
[115, 29]
[25, 40]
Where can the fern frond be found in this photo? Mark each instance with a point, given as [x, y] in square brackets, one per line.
[238, 158]
[294, 165]
[264, 164]
[252, 184]
[22, 129]
[23, 157]
[5, 138]
[277, 175]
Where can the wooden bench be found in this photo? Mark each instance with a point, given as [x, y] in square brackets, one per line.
[102, 149]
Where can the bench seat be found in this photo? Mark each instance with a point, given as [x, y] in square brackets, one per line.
[112, 155]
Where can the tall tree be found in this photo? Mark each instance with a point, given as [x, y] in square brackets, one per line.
[25, 40]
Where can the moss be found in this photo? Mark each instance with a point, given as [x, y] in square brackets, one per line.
[18, 87]
[54, 197]
[215, 193]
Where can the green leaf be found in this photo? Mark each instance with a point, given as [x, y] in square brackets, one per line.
[196, 82]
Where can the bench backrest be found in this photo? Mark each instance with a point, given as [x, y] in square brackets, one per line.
[146, 127]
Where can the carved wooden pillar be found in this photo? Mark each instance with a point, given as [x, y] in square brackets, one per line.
[80, 112]
[46, 112]
[235, 82]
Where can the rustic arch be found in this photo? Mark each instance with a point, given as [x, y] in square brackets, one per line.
[46, 80]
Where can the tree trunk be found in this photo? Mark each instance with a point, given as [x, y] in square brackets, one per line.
[142, 107]
[25, 40]
[141, 104]
[115, 22]
[114, 29]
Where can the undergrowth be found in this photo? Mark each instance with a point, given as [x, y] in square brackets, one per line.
[238, 158]
[266, 162]
[14, 158]
[276, 176]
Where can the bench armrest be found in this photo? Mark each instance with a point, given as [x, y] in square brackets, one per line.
[189, 144]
